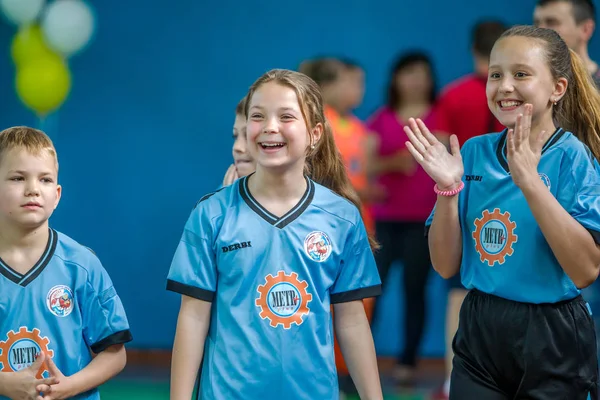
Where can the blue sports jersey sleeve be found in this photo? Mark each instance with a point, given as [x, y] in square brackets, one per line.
[194, 268]
[104, 319]
[429, 221]
[579, 189]
[358, 277]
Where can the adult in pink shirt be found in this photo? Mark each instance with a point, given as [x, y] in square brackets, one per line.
[409, 196]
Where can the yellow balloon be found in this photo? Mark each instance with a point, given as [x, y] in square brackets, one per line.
[28, 44]
[43, 84]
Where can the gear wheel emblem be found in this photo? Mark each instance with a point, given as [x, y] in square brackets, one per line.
[283, 299]
[20, 348]
[494, 236]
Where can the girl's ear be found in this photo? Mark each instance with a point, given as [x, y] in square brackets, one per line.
[560, 87]
[316, 134]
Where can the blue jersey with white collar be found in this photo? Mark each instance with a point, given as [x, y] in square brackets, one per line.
[504, 250]
[65, 306]
[271, 281]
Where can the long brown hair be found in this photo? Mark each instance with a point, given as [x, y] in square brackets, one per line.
[324, 163]
[579, 109]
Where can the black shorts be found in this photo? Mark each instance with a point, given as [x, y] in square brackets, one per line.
[506, 350]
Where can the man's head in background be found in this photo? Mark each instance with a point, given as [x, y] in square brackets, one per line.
[574, 20]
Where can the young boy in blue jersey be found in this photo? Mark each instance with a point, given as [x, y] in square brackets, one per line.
[57, 299]
[243, 164]
[25, 385]
[525, 228]
[261, 260]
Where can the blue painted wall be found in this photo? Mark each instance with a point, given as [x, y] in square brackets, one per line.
[146, 129]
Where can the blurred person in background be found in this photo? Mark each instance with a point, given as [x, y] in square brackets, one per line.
[575, 22]
[400, 216]
[463, 111]
[342, 83]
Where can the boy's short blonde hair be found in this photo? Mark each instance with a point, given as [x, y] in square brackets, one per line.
[32, 140]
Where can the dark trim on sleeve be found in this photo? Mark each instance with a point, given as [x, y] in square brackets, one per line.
[116, 338]
[191, 291]
[356, 294]
[208, 196]
[595, 235]
[427, 228]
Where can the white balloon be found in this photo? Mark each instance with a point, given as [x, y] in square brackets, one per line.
[21, 12]
[68, 26]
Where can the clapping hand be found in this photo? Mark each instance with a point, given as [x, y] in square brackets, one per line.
[524, 151]
[445, 168]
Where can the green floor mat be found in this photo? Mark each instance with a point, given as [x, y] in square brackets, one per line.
[140, 390]
[134, 391]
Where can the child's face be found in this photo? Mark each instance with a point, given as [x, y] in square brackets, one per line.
[244, 164]
[519, 74]
[414, 82]
[347, 91]
[29, 192]
[354, 87]
[277, 133]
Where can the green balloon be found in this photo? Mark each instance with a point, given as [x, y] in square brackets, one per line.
[43, 84]
[28, 44]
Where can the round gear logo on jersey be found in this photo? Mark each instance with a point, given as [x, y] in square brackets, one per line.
[60, 300]
[545, 179]
[494, 236]
[318, 246]
[283, 299]
[18, 351]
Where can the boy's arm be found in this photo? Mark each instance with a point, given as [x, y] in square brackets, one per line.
[356, 342]
[104, 366]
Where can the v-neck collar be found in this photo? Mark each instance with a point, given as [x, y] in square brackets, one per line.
[501, 151]
[290, 216]
[36, 270]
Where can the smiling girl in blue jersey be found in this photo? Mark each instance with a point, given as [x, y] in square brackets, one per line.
[518, 213]
[261, 261]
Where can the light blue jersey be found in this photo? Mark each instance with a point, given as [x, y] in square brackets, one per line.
[504, 250]
[65, 306]
[271, 281]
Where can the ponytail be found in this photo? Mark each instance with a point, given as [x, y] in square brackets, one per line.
[579, 110]
[324, 165]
